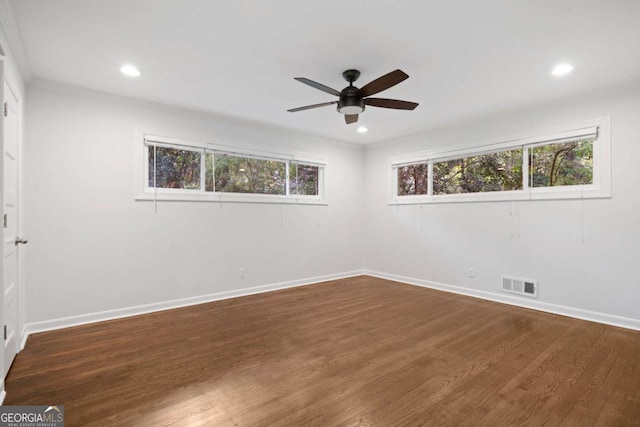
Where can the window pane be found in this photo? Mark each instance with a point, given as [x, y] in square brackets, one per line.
[476, 174]
[242, 175]
[208, 164]
[413, 179]
[569, 163]
[303, 180]
[174, 168]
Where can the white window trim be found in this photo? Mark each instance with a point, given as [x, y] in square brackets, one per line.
[145, 193]
[601, 187]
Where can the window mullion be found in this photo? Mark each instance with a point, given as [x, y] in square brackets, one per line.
[525, 169]
[430, 178]
[155, 168]
[203, 171]
[297, 183]
[287, 180]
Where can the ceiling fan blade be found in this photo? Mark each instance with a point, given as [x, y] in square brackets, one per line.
[308, 107]
[317, 85]
[391, 103]
[383, 83]
[350, 118]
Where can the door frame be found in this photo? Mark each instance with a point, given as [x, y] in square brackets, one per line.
[21, 335]
[3, 393]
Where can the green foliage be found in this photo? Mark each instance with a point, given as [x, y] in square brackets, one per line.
[208, 178]
[245, 175]
[569, 163]
[174, 168]
[500, 171]
[303, 179]
[565, 163]
[413, 179]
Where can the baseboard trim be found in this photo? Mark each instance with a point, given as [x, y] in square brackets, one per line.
[593, 316]
[23, 337]
[67, 322]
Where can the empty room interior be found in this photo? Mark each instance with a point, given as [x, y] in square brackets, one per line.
[365, 213]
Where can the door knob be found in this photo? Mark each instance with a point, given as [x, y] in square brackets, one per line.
[21, 240]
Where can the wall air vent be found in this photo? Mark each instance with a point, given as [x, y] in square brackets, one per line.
[520, 286]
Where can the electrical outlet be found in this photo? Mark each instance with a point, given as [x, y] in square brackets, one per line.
[472, 272]
[242, 273]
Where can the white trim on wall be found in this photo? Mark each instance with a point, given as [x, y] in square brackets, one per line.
[83, 319]
[23, 338]
[66, 322]
[600, 188]
[593, 316]
[144, 140]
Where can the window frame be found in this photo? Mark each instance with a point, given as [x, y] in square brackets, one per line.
[146, 193]
[429, 180]
[170, 190]
[600, 188]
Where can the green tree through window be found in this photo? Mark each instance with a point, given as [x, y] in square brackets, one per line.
[569, 163]
[550, 164]
[303, 179]
[500, 171]
[235, 174]
[413, 179]
[174, 168]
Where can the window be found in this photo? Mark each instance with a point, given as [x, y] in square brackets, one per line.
[568, 164]
[174, 168]
[501, 171]
[303, 179]
[235, 174]
[413, 179]
[182, 171]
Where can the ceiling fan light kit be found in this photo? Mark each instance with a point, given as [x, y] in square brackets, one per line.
[352, 100]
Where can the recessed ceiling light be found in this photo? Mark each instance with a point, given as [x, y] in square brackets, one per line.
[562, 69]
[362, 129]
[130, 70]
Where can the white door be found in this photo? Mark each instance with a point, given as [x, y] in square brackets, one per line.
[10, 227]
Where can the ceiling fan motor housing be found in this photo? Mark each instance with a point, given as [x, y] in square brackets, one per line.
[350, 102]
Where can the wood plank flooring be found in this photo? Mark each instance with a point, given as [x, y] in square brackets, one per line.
[353, 352]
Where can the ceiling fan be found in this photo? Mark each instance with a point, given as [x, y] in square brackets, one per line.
[352, 100]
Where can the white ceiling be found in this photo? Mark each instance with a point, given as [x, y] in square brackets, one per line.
[466, 58]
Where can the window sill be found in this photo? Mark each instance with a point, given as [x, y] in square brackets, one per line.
[506, 196]
[230, 198]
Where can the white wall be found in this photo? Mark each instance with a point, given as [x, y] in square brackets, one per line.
[584, 253]
[93, 248]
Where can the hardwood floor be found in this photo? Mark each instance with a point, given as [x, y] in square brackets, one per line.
[352, 352]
